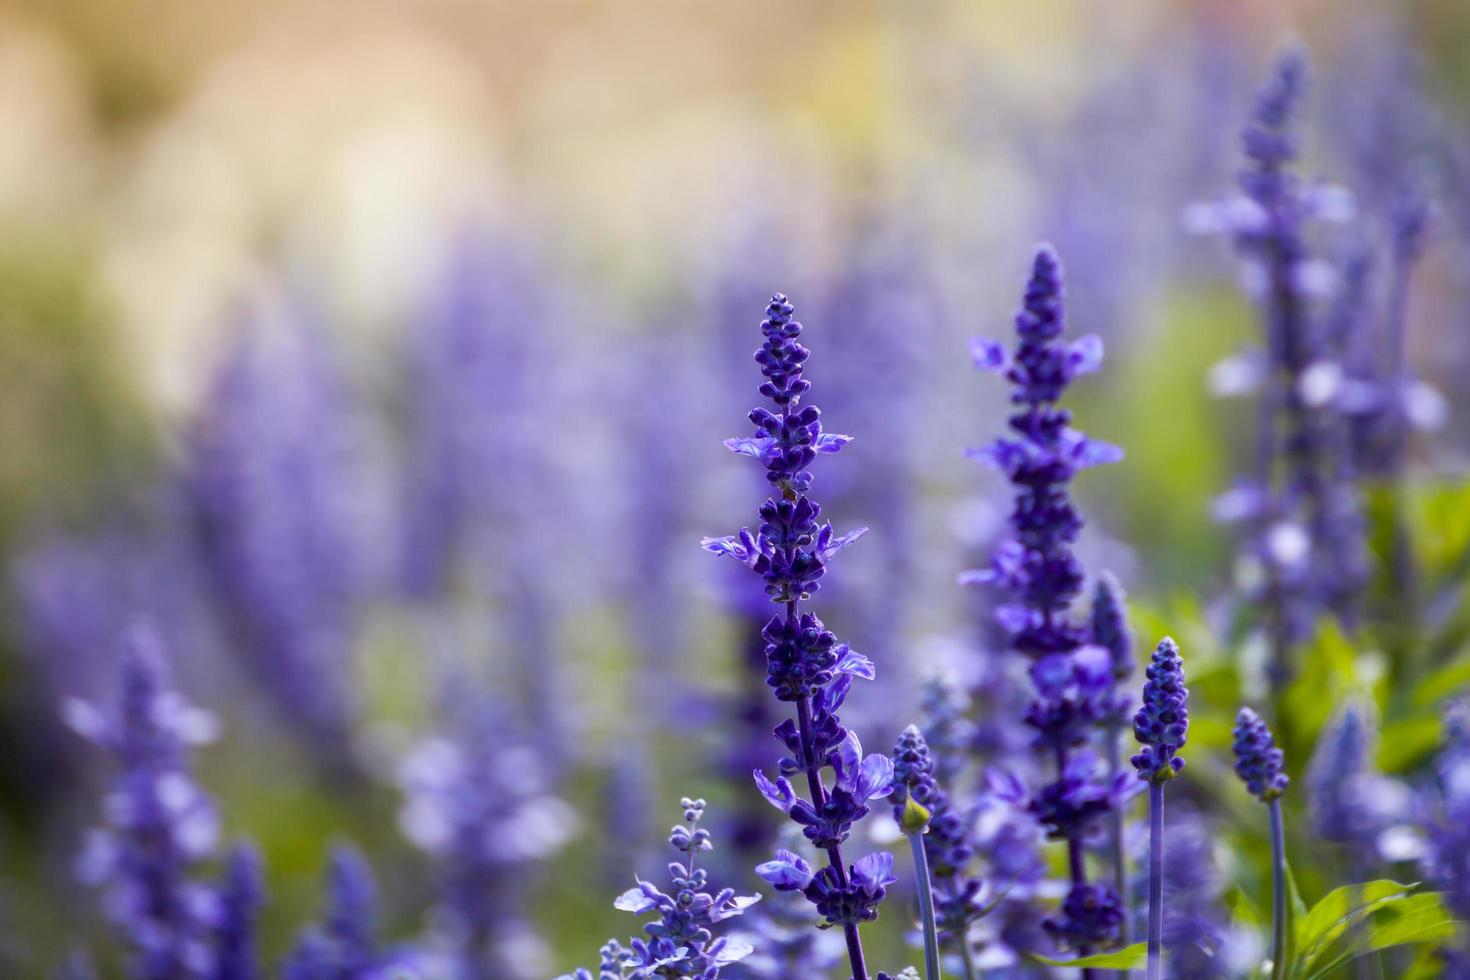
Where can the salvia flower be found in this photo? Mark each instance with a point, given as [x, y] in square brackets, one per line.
[1296, 497]
[476, 800]
[1258, 762]
[272, 480]
[1043, 576]
[681, 941]
[160, 824]
[343, 946]
[806, 666]
[1448, 857]
[1162, 724]
[241, 895]
[949, 843]
[1339, 780]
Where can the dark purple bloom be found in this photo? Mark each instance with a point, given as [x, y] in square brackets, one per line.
[343, 946]
[1091, 916]
[1072, 678]
[160, 825]
[805, 664]
[1162, 724]
[681, 941]
[1258, 762]
[949, 842]
[241, 895]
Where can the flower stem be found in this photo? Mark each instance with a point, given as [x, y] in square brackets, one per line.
[1115, 844]
[1155, 880]
[926, 905]
[819, 799]
[1278, 893]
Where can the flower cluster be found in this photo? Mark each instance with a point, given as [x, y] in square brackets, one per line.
[680, 942]
[1258, 762]
[805, 664]
[1298, 500]
[343, 946]
[1162, 724]
[948, 844]
[1072, 677]
[476, 801]
[161, 825]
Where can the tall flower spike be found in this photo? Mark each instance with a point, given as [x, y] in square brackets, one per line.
[949, 844]
[1261, 765]
[160, 824]
[805, 664]
[681, 941]
[1162, 724]
[1038, 569]
[1258, 762]
[343, 946]
[1294, 496]
[1161, 727]
[240, 897]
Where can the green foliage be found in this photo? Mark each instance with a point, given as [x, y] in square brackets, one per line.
[1130, 958]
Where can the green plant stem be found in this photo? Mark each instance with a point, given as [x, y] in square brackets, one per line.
[926, 906]
[1278, 893]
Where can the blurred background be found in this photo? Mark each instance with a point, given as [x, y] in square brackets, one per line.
[379, 355]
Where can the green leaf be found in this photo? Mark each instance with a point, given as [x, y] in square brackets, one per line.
[1330, 917]
[1130, 958]
[1417, 919]
[1447, 680]
[1407, 741]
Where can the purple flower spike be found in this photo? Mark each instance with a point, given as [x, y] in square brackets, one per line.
[1258, 762]
[1162, 724]
[681, 941]
[160, 825]
[1073, 672]
[806, 666]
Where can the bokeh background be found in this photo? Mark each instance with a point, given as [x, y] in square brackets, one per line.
[379, 355]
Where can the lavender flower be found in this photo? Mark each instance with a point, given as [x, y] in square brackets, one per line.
[1040, 571]
[805, 664]
[1295, 497]
[476, 801]
[344, 945]
[1340, 782]
[1448, 858]
[948, 844]
[680, 942]
[1258, 762]
[270, 477]
[1162, 724]
[1162, 728]
[785, 944]
[160, 823]
[1110, 631]
[240, 897]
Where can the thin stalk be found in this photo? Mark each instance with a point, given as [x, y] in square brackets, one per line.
[1278, 893]
[1115, 843]
[967, 958]
[926, 905]
[834, 853]
[1155, 881]
[1077, 864]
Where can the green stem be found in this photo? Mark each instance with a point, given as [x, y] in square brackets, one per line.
[967, 958]
[926, 906]
[1278, 893]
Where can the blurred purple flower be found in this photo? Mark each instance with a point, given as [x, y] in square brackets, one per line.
[160, 824]
[272, 477]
